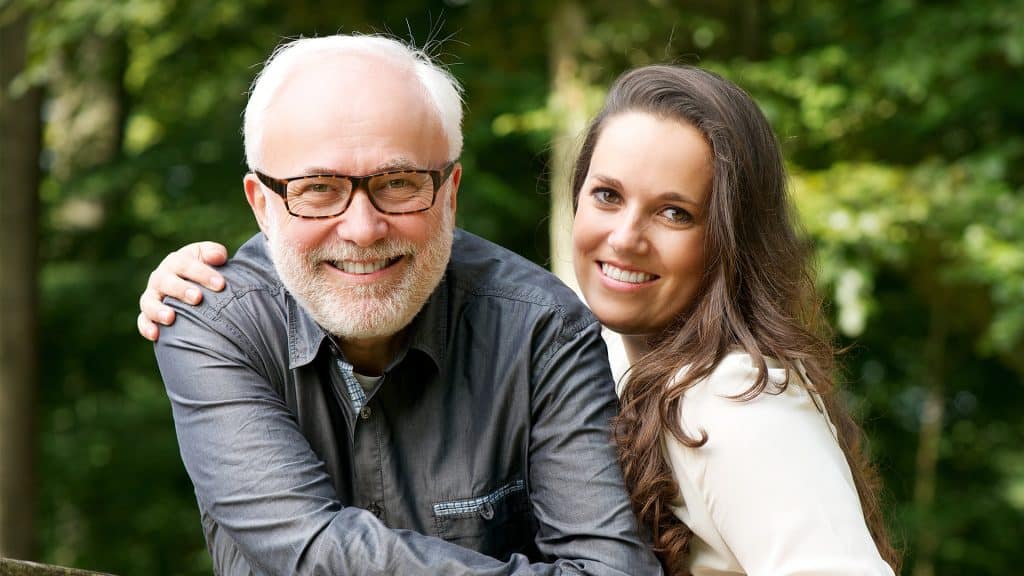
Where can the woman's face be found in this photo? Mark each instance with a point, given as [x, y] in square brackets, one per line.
[638, 236]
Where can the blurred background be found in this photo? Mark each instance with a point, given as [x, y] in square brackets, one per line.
[902, 122]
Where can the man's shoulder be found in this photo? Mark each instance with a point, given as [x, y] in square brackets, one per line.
[251, 265]
[251, 314]
[480, 268]
[251, 280]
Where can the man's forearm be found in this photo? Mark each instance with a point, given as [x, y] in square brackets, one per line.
[577, 488]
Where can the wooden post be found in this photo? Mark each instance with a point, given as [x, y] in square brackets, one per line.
[9, 567]
[20, 128]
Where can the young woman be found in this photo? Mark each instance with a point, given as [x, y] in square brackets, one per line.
[737, 452]
[739, 456]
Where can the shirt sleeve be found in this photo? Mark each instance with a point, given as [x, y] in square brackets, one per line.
[576, 486]
[226, 557]
[260, 482]
[771, 482]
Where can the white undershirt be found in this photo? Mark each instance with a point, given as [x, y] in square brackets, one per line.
[367, 382]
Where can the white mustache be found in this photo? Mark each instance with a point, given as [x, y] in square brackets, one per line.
[386, 250]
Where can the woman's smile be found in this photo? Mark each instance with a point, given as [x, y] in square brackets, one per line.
[625, 274]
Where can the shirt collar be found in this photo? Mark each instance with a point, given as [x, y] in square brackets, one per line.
[427, 332]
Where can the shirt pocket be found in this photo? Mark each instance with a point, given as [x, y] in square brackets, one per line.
[497, 523]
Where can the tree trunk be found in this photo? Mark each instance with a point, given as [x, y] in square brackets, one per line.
[568, 105]
[20, 129]
[932, 414]
[750, 18]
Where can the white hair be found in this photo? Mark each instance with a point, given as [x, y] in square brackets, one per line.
[443, 90]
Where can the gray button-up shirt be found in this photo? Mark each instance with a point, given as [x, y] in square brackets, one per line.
[484, 449]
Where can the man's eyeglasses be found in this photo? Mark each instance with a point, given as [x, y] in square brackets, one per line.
[328, 195]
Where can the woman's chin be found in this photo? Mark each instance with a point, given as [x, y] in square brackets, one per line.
[626, 326]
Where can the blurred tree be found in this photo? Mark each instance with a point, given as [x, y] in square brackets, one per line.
[570, 109]
[900, 119]
[20, 126]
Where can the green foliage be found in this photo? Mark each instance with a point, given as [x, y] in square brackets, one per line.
[905, 151]
[900, 119]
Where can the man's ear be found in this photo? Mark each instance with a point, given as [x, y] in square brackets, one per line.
[454, 180]
[257, 199]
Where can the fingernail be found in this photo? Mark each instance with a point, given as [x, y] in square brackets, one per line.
[192, 295]
[165, 317]
[218, 283]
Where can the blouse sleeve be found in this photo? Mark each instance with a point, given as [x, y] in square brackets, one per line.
[775, 491]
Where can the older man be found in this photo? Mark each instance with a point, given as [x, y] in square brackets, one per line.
[376, 392]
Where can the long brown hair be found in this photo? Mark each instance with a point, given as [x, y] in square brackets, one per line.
[757, 294]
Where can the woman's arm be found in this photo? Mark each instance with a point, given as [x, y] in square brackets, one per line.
[771, 490]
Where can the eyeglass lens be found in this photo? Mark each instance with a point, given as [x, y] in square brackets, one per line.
[395, 192]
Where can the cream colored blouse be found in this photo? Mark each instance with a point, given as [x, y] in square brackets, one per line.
[770, 493]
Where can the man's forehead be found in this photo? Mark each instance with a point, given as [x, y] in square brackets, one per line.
[357, 68]
[356, 115]
[365, 86]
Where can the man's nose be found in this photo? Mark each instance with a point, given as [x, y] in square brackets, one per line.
[361, 223]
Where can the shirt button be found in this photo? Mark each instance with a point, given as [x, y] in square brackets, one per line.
[486, 511]
[365, 413]
[374, 509]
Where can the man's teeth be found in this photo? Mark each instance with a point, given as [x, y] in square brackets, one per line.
[361, 267]
[625, 275]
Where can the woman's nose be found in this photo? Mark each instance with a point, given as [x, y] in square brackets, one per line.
[628, 236]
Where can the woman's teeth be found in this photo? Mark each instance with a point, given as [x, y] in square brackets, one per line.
[625, 275]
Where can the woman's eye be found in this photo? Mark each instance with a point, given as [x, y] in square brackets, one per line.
[677, 215]
[605, 196]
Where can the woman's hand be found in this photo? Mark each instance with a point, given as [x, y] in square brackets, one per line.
[179, 276]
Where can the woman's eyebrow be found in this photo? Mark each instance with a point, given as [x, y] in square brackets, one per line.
[677, 197]
[608, 180]
[670, 196]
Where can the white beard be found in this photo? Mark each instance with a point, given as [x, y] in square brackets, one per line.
[365, 311]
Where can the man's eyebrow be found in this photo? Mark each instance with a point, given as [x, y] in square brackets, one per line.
[400, 163]
[316, 170]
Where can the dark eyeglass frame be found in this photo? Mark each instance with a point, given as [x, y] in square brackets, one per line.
[280, 187]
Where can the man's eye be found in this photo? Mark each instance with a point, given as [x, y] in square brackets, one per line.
[398, 183]
[316, 187]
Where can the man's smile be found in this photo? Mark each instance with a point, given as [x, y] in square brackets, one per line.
[364, 267]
